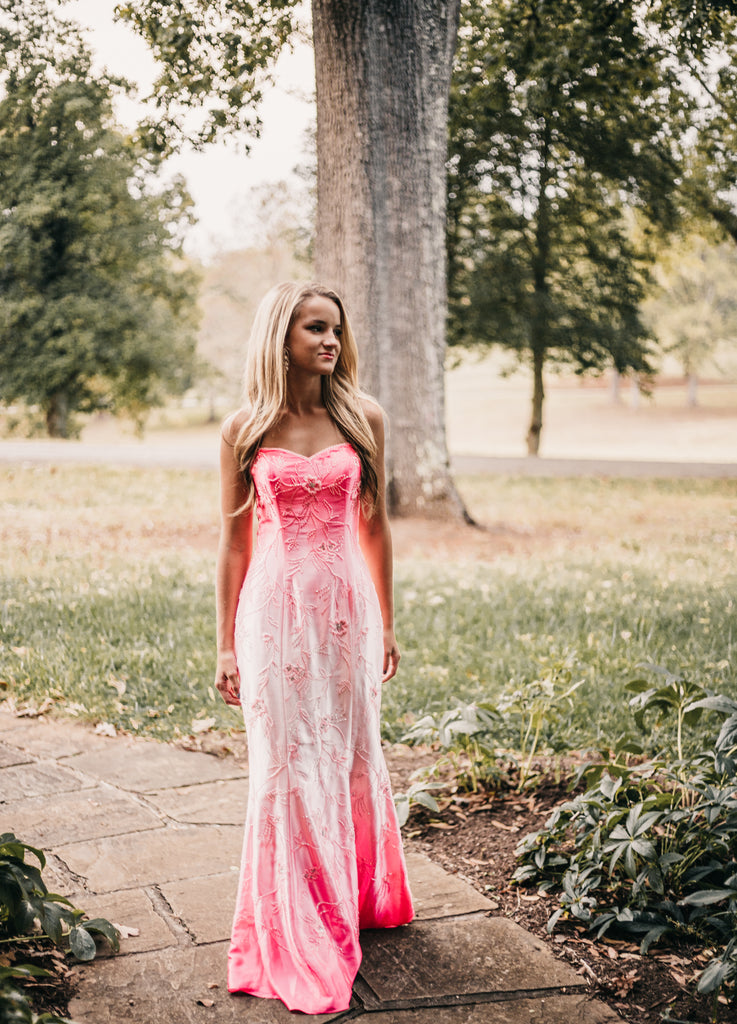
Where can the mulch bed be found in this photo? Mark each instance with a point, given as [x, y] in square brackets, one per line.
[47, 995]
[474, 836]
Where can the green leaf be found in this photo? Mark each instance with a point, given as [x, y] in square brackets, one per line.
[104, 927]
[51, 921]
[717, 702]
[82, 944]
[714, 976]
[652, 936]
[707, 896]
[426, 800]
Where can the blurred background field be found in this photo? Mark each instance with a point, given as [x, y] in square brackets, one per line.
[487, 412]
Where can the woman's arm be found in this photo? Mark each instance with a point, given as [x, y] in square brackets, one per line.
[376, 543]
[234, 555]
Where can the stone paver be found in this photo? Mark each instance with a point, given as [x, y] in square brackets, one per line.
[51, 738]
[576, 1009]
[150, 858]
[215, 803]
[435, 893]
[146, 767]
[132, 908]
[205, 905]
[164, 988]
[39, 779]
[422, 960]
[10, 755]
[77, 815]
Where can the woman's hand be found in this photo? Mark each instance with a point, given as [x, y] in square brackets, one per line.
[227, 679]
[391, 655]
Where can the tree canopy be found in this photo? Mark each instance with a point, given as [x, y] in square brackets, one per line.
[214, 58]
[96, 304]
[565, 116]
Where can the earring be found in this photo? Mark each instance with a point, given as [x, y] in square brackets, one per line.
[286, 360]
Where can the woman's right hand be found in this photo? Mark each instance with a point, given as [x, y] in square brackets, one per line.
[227, 679]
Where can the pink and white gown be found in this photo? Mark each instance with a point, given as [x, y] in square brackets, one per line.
[322, 855]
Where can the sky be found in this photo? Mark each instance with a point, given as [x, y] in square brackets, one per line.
[220, 179]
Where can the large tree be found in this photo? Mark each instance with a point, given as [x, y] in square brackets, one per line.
[96, 305]
[383, 72]
[544, 151]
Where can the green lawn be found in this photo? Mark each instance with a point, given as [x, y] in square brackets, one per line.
[107, 596]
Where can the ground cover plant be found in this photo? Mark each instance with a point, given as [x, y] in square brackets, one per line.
[650, 848]
[34, 923]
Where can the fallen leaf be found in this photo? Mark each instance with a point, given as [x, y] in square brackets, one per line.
[20, 651]
[442, 825]
[203, 724]
[213, 984]
[105, 729]
[117, 684]
[205, 1002]
[611, 953]
[126, 932]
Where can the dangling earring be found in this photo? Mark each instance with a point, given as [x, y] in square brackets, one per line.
[286, 360]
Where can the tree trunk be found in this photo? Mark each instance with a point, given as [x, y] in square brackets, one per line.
[383, 76]
[57, 414]
[692, 390]
[538, 395]
[614, 387]
[539, 328]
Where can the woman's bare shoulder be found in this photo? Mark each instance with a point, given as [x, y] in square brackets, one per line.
[232, 424]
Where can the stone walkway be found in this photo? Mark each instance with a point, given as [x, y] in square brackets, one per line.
[149, 836]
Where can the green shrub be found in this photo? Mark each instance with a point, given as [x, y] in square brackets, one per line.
[650, 849]
[28, 910]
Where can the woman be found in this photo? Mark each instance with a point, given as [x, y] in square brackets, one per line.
[305, 639]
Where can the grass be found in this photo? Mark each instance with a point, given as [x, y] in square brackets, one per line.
[106, 601]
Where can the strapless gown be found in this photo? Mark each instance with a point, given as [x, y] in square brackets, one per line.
[322, 854]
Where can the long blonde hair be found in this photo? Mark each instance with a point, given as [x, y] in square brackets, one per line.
[265, 385]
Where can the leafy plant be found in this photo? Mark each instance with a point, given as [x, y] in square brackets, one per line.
[416, 794]
[466, 734]
[539, 705]
[676, 694]
[14, 1007]
[651, 850]
[28, 910]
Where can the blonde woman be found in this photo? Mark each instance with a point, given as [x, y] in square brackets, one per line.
[305, 640]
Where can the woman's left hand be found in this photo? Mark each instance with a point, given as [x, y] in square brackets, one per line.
[391, 655]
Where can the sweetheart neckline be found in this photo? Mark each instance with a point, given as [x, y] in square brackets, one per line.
[307, 458]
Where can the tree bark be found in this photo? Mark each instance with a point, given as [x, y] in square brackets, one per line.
[692, 390]
[614, 387]
[383, 76]
[538, 396]
[539, 329]
[57, 414]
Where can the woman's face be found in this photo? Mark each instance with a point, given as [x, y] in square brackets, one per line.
[313, 341]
